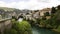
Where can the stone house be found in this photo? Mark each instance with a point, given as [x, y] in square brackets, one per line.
[44, 11]
[36, 15]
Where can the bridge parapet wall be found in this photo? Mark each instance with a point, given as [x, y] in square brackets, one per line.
[5, 24]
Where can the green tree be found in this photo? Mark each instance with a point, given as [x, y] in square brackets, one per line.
[53, 10]
[55, 18]
[58, 7]
[38, 20]
[44, 18]
[23, 27]
[12, 31]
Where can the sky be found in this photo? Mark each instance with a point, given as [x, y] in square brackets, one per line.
[29, 4]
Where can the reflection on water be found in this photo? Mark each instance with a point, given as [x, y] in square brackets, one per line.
[37, 30]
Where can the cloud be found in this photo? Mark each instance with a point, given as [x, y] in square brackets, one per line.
[30, 4]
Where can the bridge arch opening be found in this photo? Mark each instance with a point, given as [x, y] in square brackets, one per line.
[20, 16]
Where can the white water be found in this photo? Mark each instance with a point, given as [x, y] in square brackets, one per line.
[20, 19]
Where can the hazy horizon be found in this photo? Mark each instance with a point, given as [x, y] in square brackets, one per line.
[29, 4]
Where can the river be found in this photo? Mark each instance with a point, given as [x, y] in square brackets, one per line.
[37, 30]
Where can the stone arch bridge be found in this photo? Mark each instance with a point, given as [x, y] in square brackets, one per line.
[6, 23]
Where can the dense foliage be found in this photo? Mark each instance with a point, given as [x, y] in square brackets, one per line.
[19, 28]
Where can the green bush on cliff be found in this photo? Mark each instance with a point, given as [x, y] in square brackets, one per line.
[23, 27]
[12, 31]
